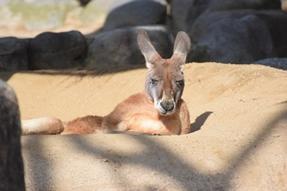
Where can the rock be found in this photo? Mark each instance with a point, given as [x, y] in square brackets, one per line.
[180, 9]
[230, 37]
[57, 50]
[217, 5]
[136, 13]
[84, 2]
[280, 63]
[239, 36]
[185, 12]
[11, 164]
[118, 49]
[276, 21]
[13, 54]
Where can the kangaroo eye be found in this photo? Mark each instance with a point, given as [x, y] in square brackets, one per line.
[154, 81]
[179, 83]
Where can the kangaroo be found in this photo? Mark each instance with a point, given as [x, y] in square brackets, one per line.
[159, 110]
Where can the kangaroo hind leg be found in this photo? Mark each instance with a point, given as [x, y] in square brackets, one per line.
[84, 125]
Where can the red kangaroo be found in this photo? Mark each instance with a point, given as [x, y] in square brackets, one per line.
[159, 110]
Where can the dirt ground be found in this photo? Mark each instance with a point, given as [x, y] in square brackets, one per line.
[239, 138]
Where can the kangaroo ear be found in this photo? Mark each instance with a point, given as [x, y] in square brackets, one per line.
[147, 49]
[181, 47]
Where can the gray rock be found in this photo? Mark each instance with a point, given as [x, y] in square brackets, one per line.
[230, 37]
[181, 9]
[185, 12]
[280, 63]
[239, 36]
[118, 49]
[84, 2]
[243, 4]
[13, 54]
[136, 13]
[276, 21]
[57, 50]
[11, 163]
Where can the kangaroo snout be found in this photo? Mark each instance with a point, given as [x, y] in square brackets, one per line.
[166, 107]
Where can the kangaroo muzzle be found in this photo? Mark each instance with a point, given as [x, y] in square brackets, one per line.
[166, 105]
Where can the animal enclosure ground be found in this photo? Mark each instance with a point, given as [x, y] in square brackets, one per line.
[239, 115]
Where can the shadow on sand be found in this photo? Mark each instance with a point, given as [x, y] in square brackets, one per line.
[186, 175]
[199, 121]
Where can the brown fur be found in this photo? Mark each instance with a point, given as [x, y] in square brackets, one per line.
[135, 114]
[84, 125]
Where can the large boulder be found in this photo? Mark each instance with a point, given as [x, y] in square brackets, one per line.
[84, 2]
[230, 37]
[57, 50]
[280, 63]
[13, 54]
[11, 164]
[243, 4]
[239, 36]
[181, 9]
[136, 13]
[185, 12]
[276, 22]
[118, 49]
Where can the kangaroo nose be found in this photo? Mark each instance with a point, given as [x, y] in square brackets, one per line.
[167, 105]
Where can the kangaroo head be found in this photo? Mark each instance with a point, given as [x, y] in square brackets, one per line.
[165, 80]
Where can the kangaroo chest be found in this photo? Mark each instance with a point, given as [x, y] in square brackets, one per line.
[150, 125]
[137, 114]
[143, 122]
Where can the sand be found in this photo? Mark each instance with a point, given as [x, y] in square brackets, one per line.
[239, 119]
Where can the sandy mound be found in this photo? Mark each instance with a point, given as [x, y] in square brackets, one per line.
[239, 116]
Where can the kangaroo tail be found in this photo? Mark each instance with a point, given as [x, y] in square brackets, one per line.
[43, 125]
[84, 125]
